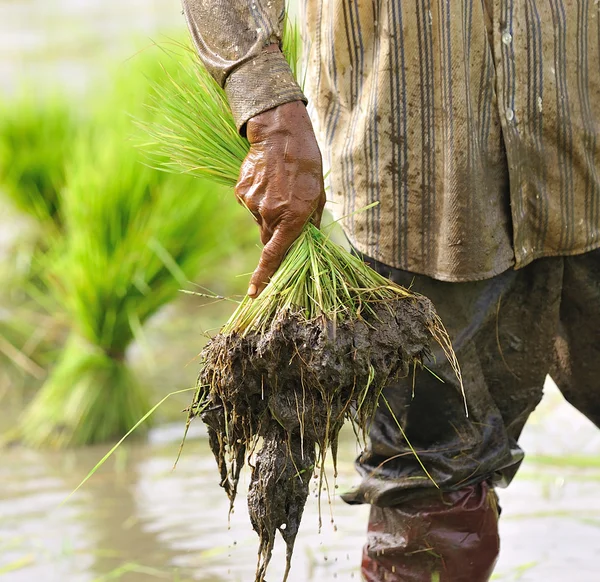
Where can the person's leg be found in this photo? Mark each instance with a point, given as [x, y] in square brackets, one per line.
[502, 331]
[576, 368]
[453, 533]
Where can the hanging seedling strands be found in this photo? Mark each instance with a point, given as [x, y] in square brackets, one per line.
[314, 350]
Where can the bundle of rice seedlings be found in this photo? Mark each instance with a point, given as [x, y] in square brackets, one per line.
[36, 133]
[132, 237]
[314, 350]
[35, 138]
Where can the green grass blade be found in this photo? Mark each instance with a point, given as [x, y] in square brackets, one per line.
[115, 447]
[387, 404]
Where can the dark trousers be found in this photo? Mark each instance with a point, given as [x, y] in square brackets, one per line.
[508, 332]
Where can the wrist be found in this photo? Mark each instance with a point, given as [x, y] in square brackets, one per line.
[287, 119]
[261, 84]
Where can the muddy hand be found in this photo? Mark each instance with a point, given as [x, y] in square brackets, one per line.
[281, 183]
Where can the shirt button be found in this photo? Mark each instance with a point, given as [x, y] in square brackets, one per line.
[510, 114]
[506, 37]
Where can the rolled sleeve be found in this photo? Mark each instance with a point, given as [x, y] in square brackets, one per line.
[260, 84]
[231, 37]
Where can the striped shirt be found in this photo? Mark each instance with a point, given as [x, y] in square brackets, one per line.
[474, 123]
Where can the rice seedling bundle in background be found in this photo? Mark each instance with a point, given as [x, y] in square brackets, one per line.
[315, 349]
[35, 139]
[132, 237]
[37, 132]
[36, 136]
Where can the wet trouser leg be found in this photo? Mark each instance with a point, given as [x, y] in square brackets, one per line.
[576, 357]
[449, 537]
[508, 333]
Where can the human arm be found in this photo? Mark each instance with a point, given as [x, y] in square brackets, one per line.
[281, 179]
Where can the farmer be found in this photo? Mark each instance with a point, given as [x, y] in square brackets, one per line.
[476, 126]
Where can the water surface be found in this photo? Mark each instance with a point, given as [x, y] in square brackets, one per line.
[138, 520]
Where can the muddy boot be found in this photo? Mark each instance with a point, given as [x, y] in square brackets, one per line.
[448, 537]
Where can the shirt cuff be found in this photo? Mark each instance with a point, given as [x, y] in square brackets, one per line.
[259, 84]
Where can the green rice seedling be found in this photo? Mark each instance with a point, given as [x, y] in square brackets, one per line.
[35, 139]
[36, 133]
[132, 237]
[314, 350]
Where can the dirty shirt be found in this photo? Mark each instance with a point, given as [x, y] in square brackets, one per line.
[474, 124]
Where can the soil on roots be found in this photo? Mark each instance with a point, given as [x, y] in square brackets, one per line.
[284, 395]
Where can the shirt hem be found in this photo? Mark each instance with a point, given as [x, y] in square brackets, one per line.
[520, 264]
[440, 275]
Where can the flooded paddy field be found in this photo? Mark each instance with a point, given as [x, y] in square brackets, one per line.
[138, 520]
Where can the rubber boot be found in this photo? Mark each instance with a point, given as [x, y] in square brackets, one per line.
[447, 537]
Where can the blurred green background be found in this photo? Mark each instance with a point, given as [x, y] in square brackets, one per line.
[96, 244]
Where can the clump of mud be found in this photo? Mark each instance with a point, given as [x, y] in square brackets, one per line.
[283, 397]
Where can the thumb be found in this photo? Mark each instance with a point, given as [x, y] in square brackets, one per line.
[271, 257]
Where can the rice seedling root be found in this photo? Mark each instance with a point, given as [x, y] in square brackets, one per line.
[289, 389]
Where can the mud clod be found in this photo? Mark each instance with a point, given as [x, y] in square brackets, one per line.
[282, 396]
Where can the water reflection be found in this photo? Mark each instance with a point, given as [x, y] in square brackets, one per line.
[138, 520]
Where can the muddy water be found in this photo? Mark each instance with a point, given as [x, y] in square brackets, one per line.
[136, 520]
